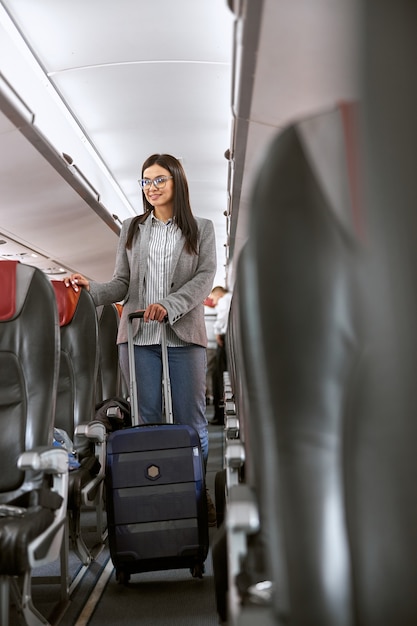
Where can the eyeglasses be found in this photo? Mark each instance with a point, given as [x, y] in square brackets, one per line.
[159, 182]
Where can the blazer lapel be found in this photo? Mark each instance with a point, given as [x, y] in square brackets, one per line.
[142, 257]
[176, 254]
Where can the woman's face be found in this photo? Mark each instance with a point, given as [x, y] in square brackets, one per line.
[160, 193]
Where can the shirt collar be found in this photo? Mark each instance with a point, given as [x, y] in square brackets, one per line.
[158, 221]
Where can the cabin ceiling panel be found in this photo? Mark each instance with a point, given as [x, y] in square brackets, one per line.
[128, 129]
[127, 31]
[142, 77]
[40, 210]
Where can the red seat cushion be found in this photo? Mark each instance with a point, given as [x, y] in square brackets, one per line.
[67, 300]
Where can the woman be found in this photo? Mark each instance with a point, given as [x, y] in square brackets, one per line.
[165, 265]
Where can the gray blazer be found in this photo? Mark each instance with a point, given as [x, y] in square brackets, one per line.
[191, 281]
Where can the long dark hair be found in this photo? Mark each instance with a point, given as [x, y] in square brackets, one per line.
[182, 215]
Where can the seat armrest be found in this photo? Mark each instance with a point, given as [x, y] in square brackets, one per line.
[48, 460]
[46, 547]
[94, 431]
[232, 427]
[234, 458]
[242, 511]
[242, 519]
[235, 454]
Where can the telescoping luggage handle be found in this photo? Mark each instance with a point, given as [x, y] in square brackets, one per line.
[169, 416]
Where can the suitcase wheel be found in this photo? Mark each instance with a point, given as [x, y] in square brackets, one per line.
[197, 570]
[122, 577]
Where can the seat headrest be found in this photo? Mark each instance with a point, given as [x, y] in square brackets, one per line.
[8, 289]
[67, 300]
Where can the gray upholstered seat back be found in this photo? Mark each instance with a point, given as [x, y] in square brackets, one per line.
[109, 376]
[29, 353]
[309, 361]
[79, 358]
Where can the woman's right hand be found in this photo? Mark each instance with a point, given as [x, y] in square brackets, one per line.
[76, 281]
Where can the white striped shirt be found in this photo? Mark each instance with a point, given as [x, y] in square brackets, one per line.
[163, 239]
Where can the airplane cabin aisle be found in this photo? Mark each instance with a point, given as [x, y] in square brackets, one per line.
[157, 598]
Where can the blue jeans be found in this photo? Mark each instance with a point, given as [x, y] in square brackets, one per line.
[187, 370]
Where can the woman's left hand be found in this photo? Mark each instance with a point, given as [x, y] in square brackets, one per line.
[155, 312]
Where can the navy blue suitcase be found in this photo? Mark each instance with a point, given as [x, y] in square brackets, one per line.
[156, 495]
[156, 501]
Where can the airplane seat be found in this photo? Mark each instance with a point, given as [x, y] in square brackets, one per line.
[234, 392]
[109, 379]
[237, 382]
[303, 298]
[75, 409]
[237, 471]
[124, 384]
[234, 457]
[33, 474]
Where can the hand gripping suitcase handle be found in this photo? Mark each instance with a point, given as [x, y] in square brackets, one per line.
[169, 417]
